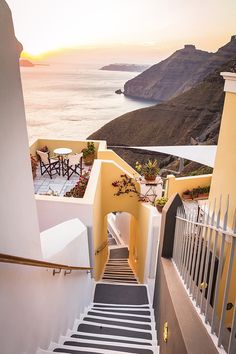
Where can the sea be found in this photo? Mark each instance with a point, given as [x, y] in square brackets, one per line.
[73, 101]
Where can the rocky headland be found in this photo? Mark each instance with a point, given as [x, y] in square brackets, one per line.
[26, 63]
[178, 73]
[193, 116]
[125, 67]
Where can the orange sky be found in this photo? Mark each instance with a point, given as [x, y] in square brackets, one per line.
[140, 28]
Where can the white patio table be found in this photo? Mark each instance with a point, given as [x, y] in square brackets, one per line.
[62, 152]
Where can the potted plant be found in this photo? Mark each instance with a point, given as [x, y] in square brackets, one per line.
[160, 203]
[149, 169]
[89, 154]
[187, 195]
[79, 189]
[203, 192]
[34, 164]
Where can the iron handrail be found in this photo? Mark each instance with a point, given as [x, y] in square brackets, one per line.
[104, 245]
[6, 258]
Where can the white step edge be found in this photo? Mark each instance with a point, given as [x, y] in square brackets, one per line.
[79, 322]
[125, 308]
[118, 305]
[69, 333]
[109, 309]
[126, 345]
[97, 318]
[95, 350]
[107, 282]
[122, 314]
[42, 351]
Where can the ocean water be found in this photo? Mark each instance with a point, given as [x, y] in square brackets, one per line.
[73, 101]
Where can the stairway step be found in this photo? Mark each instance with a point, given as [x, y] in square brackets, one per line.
[71, 350]
[112, 312]
[146, 306]
[121, 277]
[100, 321]
[127, 311]
[109, 346]
[119, 253]
[121, 317]
[97, 329]
[121, 294]
[111, 339]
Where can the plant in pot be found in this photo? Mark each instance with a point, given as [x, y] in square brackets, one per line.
[89, 153]
[149, 169]
[187, 195]
[203, 192]
[34, 164]
[160, 203]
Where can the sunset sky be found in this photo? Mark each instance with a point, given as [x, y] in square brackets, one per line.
[137, 26]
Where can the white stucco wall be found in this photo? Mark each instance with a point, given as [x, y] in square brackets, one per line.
[18, 218]
[122, 222]
[37, 307]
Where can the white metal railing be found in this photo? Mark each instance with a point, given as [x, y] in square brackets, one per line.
[203, 249]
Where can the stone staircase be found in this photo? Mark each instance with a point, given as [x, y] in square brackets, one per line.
[117, 269]
[120, 320]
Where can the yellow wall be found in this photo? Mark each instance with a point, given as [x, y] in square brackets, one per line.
[223, 184]
[139, 230]
[179, 185]
[105, 203]
[223, 179]
[111, 155]
[76, 145]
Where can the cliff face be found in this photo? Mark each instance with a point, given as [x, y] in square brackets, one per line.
[193, 115]
[178, 73]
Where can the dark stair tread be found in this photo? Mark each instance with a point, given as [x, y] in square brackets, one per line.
[83, 327]
[121, 294]
[109, 347]
[116, 323]
[119, 253]
[103, 339]
[134, 312]
[121, 317]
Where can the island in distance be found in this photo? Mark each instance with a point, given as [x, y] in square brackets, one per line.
[125, 67]
[28, 64]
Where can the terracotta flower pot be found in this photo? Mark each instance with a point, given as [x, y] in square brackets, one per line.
[159, 208]
[150, 178]
[88, 160]
[203, 196]
[187, 196]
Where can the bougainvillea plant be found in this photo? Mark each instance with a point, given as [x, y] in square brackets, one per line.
[79, 189]
[128, 185]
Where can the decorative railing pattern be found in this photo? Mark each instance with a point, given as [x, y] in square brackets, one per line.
[204, 250]
[6, 258]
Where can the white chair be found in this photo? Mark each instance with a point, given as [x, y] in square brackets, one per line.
[48, 165]
[73, 165]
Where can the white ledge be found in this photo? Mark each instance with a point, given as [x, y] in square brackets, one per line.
[230, 81]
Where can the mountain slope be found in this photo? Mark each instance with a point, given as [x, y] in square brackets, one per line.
[178, 73]
[194, 114]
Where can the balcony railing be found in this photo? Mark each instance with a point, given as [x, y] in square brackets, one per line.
[204, 254]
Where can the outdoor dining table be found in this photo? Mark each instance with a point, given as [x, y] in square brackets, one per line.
[62, 152]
